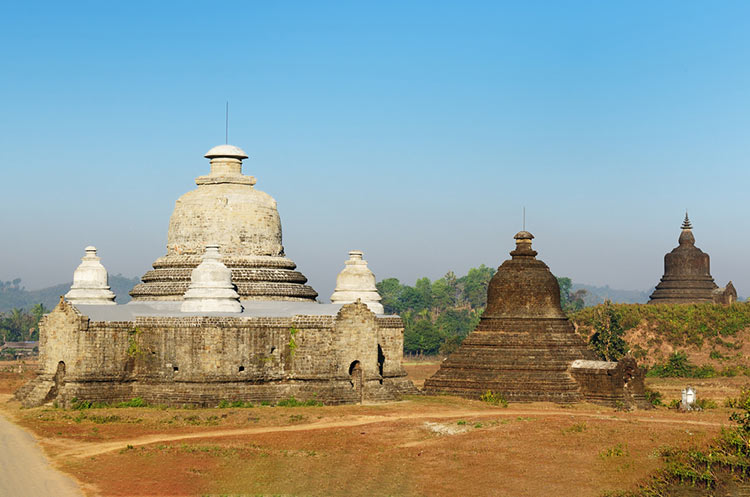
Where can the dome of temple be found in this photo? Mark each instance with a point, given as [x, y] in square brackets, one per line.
[687, 273]
[356, 281]
[90, 282]
[228, 211]
[523, 286]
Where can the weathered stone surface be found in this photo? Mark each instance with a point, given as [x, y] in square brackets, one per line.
[524, 346]
[201, 360]
[228, 211]
[211, 288]
[726, 295]
[687, 275]
[357, 282]
[618, 383]
[90, 282]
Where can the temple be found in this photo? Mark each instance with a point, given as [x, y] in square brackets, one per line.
[223, 315]
[687, 275]
[526, 349]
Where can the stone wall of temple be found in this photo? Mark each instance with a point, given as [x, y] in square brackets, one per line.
[201, 360]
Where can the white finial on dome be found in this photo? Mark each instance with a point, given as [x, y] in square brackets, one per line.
[211, 288]
[226, 167]
[226, 151]
[356, 281]
[90, 282]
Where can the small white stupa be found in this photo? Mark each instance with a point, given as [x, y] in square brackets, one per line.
[211, 288]
[356, 281]
[90, 282]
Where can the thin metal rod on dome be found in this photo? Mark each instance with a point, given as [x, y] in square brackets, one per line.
[226, 125]
[524, 218]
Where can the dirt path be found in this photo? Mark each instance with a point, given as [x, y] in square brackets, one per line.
[92, 449]
[24, 471]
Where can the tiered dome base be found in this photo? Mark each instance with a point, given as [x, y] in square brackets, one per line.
[689, 289]
[256, 278]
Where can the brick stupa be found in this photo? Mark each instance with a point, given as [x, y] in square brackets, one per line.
[526, 349]
[687, 275]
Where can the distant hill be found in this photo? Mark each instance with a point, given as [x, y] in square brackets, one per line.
[598, 294]
[13, 295]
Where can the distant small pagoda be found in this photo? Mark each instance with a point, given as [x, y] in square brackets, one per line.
[687, 275]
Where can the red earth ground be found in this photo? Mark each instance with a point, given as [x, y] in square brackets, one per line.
[436, 446]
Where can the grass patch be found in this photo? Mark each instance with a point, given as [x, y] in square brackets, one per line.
[618, 450]
[679, 325]
[678, 366]
[292, 402]
[224, 404]
[576, 428]
[726, 459]
[494, 399]
[80, 405]
[654, 397]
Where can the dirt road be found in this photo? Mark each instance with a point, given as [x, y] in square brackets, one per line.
[82, 449]
[24, 471]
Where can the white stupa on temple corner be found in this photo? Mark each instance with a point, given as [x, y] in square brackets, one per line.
[211, 288]
[90, 282]
[356, 281]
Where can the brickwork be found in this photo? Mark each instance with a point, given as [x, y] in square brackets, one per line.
[201, 360]
[687, 275]
[524, 346]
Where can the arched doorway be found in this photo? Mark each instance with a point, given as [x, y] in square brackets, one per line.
[381, 362]
[355, 378]
[59, 381]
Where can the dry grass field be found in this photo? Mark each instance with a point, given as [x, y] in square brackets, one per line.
[421, 446]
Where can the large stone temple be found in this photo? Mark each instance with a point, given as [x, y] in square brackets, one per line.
[526, 349]
[687, 275]
[224, 315]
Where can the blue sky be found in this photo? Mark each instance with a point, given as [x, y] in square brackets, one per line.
[415, 131]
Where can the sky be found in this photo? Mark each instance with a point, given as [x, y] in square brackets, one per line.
[414, 131]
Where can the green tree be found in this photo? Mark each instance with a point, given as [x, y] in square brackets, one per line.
[18, 325]
[423, 337]
[390, 293]
[475, 284]
[570, 301]
[443, 296]
[424, 288]
[607, 340]
[37, 312]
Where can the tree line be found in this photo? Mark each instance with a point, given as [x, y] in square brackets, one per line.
[18, 325]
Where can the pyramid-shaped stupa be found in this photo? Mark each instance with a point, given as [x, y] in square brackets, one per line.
[524, 346]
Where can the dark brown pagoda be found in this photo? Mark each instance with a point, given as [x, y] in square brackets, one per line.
[526, 349]
[687, 275]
